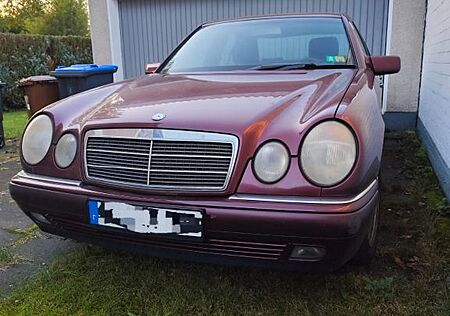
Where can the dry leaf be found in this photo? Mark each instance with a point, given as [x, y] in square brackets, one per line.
[399, 262]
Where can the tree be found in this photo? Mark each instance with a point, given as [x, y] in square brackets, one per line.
[15, 13]
[63, 17]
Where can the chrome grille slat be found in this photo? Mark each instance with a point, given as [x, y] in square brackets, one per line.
[187, 171]
[132, 178]
[162, 147]
[128, 177]
[117, 152]
[123, 158]
[137, 145]
[118, 171]
[224, 161]
[98, 161]
[163, 159]
[194, 154]
[188, 156]
[187, 177]
[181, 179]
[191, 164]
[194, 151]
[117, 167]
[138, 179]
[124, 154]
[185, 144]
[203, 183]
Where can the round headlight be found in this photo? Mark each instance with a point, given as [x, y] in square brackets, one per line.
[37, 139]
[271, 162]
[65, 151]
[328, 153]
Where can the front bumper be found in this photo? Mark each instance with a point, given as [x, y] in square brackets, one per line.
[238, 230]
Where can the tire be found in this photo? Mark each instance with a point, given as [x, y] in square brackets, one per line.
[367, 251]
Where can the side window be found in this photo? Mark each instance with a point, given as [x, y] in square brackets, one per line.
[361, 40]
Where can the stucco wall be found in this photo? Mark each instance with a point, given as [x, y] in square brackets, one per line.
[105, 34]
[434, 108]
[100, 31]
[408, 18]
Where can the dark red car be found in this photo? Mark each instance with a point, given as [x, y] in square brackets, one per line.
[257, 141]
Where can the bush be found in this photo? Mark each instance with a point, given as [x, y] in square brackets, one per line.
[28, 55]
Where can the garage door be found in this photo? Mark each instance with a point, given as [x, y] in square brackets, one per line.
[150, 29]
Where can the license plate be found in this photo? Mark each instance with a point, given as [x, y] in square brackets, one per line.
[146, 220]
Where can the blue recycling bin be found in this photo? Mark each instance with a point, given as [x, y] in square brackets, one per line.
[82, 77]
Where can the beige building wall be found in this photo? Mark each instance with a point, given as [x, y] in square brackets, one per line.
[100, 31]
[406, 41]
[105, 34]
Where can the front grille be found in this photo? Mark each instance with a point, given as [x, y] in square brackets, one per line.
[163, 159]
[221, 247]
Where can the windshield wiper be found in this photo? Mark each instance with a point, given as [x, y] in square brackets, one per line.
[299, 66]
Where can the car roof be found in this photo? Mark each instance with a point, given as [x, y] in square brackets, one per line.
[279, 16]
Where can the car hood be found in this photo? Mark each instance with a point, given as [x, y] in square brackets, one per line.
[254, 104]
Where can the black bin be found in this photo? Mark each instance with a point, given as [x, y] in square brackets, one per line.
[82, 77]
[2, 132]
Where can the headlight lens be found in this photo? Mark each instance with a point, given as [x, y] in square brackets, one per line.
[37, 139]
[271, 162]
[65, 151]
[328, 153]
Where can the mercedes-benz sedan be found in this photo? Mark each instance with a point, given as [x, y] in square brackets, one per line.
[257, 141]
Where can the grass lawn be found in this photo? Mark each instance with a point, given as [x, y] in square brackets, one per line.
[14, 123]
[410, 276]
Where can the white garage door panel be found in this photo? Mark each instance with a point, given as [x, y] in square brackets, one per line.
[150, 29]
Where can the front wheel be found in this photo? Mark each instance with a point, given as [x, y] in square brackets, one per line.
[367, 250]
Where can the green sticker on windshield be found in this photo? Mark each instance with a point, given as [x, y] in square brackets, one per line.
[336, 59]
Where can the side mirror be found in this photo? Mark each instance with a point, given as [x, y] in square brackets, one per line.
[385, 65]
[151, 68]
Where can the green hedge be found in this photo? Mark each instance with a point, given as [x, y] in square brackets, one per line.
[27, 55]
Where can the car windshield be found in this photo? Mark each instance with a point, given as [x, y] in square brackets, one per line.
[265, 44]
